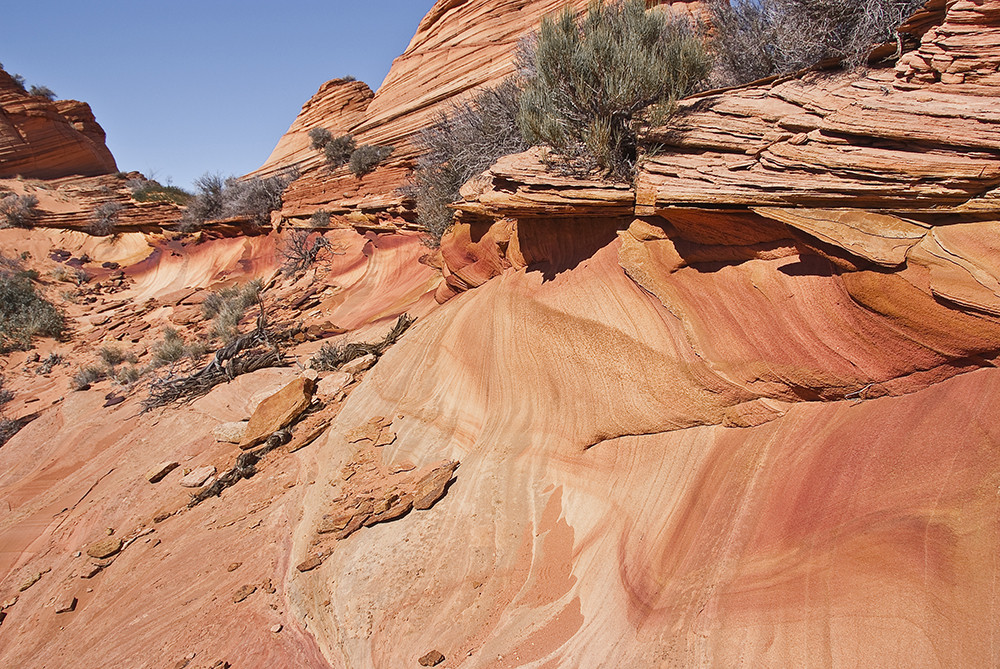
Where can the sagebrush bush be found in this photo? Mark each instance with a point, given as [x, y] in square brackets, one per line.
[88, 375]
[338, 150]
[112, 356]
[253, 199]
[168, 350]
[320, 137]
[24, 313]
[586, 81]
[367, 157]
[43, 92]
[463, 142]
[104, 219]
[320, 219]
[753, 39]
[228, 306]
[18, 211]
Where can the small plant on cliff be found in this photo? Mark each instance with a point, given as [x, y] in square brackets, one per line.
[18, 211]
[24, 313]
[367, 157]
[8, 426]
[753, 39]
[104, 219]
[320, 137]
[463, 142]
[150, 190]
[42, 92]
[588, 81]
[338, 151]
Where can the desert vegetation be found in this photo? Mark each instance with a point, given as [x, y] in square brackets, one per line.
[227, 307]
[303, 249]
[253, 199]
[104, 219]
[8, 426]
[18, 211]
[150, 190]
[333, 356]
[344, 150]
[24, 313]
[367, 157]
[754, 39]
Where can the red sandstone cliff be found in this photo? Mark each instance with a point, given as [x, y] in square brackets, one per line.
[47, 140]
[743, 413]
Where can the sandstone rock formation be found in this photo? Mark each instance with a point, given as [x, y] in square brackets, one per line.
[741, 414]
[48, 140]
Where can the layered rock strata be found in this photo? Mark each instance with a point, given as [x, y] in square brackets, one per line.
[45, 139]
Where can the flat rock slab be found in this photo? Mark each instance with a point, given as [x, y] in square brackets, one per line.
[156, 474]
[230, 433]
[332, 384]
[278, 411]
[358, 364]
[66, 604]
[105, 548]
[197, 477]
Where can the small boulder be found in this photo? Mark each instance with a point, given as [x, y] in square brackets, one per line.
[243, 593]
[431, 659]
[358, 364]
[198, 476]
[105, 548]
[278, 411]
[230, 433]
[310, 563]
[433, 485]
[66, 604]
[91, 571]
[156, 474]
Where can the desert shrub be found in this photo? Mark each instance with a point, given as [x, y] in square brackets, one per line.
[338, 151]
[331, 356]
[18, 211]
[113, 355]
[24, 313]
[20, 82]
[104, 219]
[753, 39]
[168, 350]
[253, 199]
[88, 375]
[320, 137]
[127, 375]
[150, 190]
[5, 395]
[228, 306]
[75, 275]
[302, 249]
[587, 81]
[43, 92]
[462, 142]
[320, 219]
[8, 426]
[367, 157]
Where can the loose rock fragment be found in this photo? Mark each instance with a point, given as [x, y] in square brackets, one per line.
[243, 593]
[66, 604]
[310, 564]
[278, 411]
[358, 364]
[156, 474]
[105, 548]
[198, 477]
[431, 659]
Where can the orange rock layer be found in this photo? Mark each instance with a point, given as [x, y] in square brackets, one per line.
[47, 140]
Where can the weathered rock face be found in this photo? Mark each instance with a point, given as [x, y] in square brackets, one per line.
[47, 140]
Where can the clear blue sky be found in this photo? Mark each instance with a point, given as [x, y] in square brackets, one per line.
[187, 87]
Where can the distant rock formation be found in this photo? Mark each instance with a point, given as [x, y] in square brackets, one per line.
[46, 139]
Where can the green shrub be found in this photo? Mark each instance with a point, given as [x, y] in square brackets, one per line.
[753, 39]
[228, 306]
[144, 190]
[586, 82]
[20, 82]
[320, 137]
[18, 211]
[253, 199]
[24, 314]
[104, 219]
[43, 92]
[462, 142]
[338, 151]
[168, 350]
[367, 157]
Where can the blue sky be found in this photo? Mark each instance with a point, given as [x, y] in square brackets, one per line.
[188, 87]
